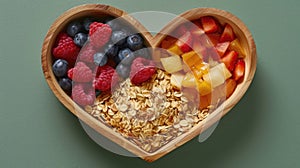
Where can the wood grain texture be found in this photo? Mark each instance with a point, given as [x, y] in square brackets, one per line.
[99, 10]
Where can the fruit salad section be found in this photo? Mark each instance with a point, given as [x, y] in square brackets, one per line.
[206, 57]
[92, 52]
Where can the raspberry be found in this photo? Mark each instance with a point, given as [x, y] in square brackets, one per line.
[99, 34]
[141, 70]
[82, 73]
[87, 54]
[70, 73]
[104, 78]
[83, 94]
[65, 49]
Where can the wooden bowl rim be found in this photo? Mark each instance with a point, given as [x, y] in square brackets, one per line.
[154, 42]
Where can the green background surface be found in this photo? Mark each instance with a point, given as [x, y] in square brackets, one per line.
[262, 130]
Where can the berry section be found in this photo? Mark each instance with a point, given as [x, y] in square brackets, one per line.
[92, 54]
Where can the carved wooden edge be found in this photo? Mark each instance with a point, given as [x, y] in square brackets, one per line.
[98, 9]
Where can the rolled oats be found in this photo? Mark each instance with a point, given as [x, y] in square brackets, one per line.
[149, 115]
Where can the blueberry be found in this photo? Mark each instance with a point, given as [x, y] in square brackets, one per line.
[114, 24]
[100, 59]
[65, 84]
[123, 70]
[74, 28]
[87, 22]
[135, 42]
[80, 39]
[118, 37]
[111, 50]
[144, 53]
[60, 68]
[97, 92]
[126, 56]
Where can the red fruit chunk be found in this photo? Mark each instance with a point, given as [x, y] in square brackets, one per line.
[104, 78]
[209, 24]
[70, 73]
[99, 34]
[228, 34]
[197, 31]
[239, 70]
[214, 38]
[196, 28]
[65, 49]
[83, 94]
[222, 48]
[87, 54]
[185, 42]
[141, 70]
[181, 30]
[197, 23]
[211, 52]
[230, 60]
[199, 48]
[82, 73]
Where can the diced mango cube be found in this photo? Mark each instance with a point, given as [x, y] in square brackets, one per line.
[175, 50]
[189, 80]
[172, 63]
[204, 88]
[217, 75]
[235, 45]
[191, 58]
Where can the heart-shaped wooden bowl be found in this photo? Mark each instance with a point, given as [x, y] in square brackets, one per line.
[98, 10]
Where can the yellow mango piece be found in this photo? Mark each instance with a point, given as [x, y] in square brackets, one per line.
[175, 50]
[189, 80]
[217, 75]
[191, 58]
[197, 72]
[172, 63]
[176, 79]
[204, 101]
[200, 69]
[204, 88]
[236, 46]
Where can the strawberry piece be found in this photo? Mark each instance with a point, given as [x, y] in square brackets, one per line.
[222, 48]
[197, 32]
[214, 38]
[230, 60]
[209, 24]
[99, 34]
[168, 42]
[228, 34]
[196, 29]
[211, 52]
[239, 70]
[181, 30]
[83, 94]
[82, 73]
[185, 42]
[141, 70]
[197, 23]
[199, 48]
[65, 49]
